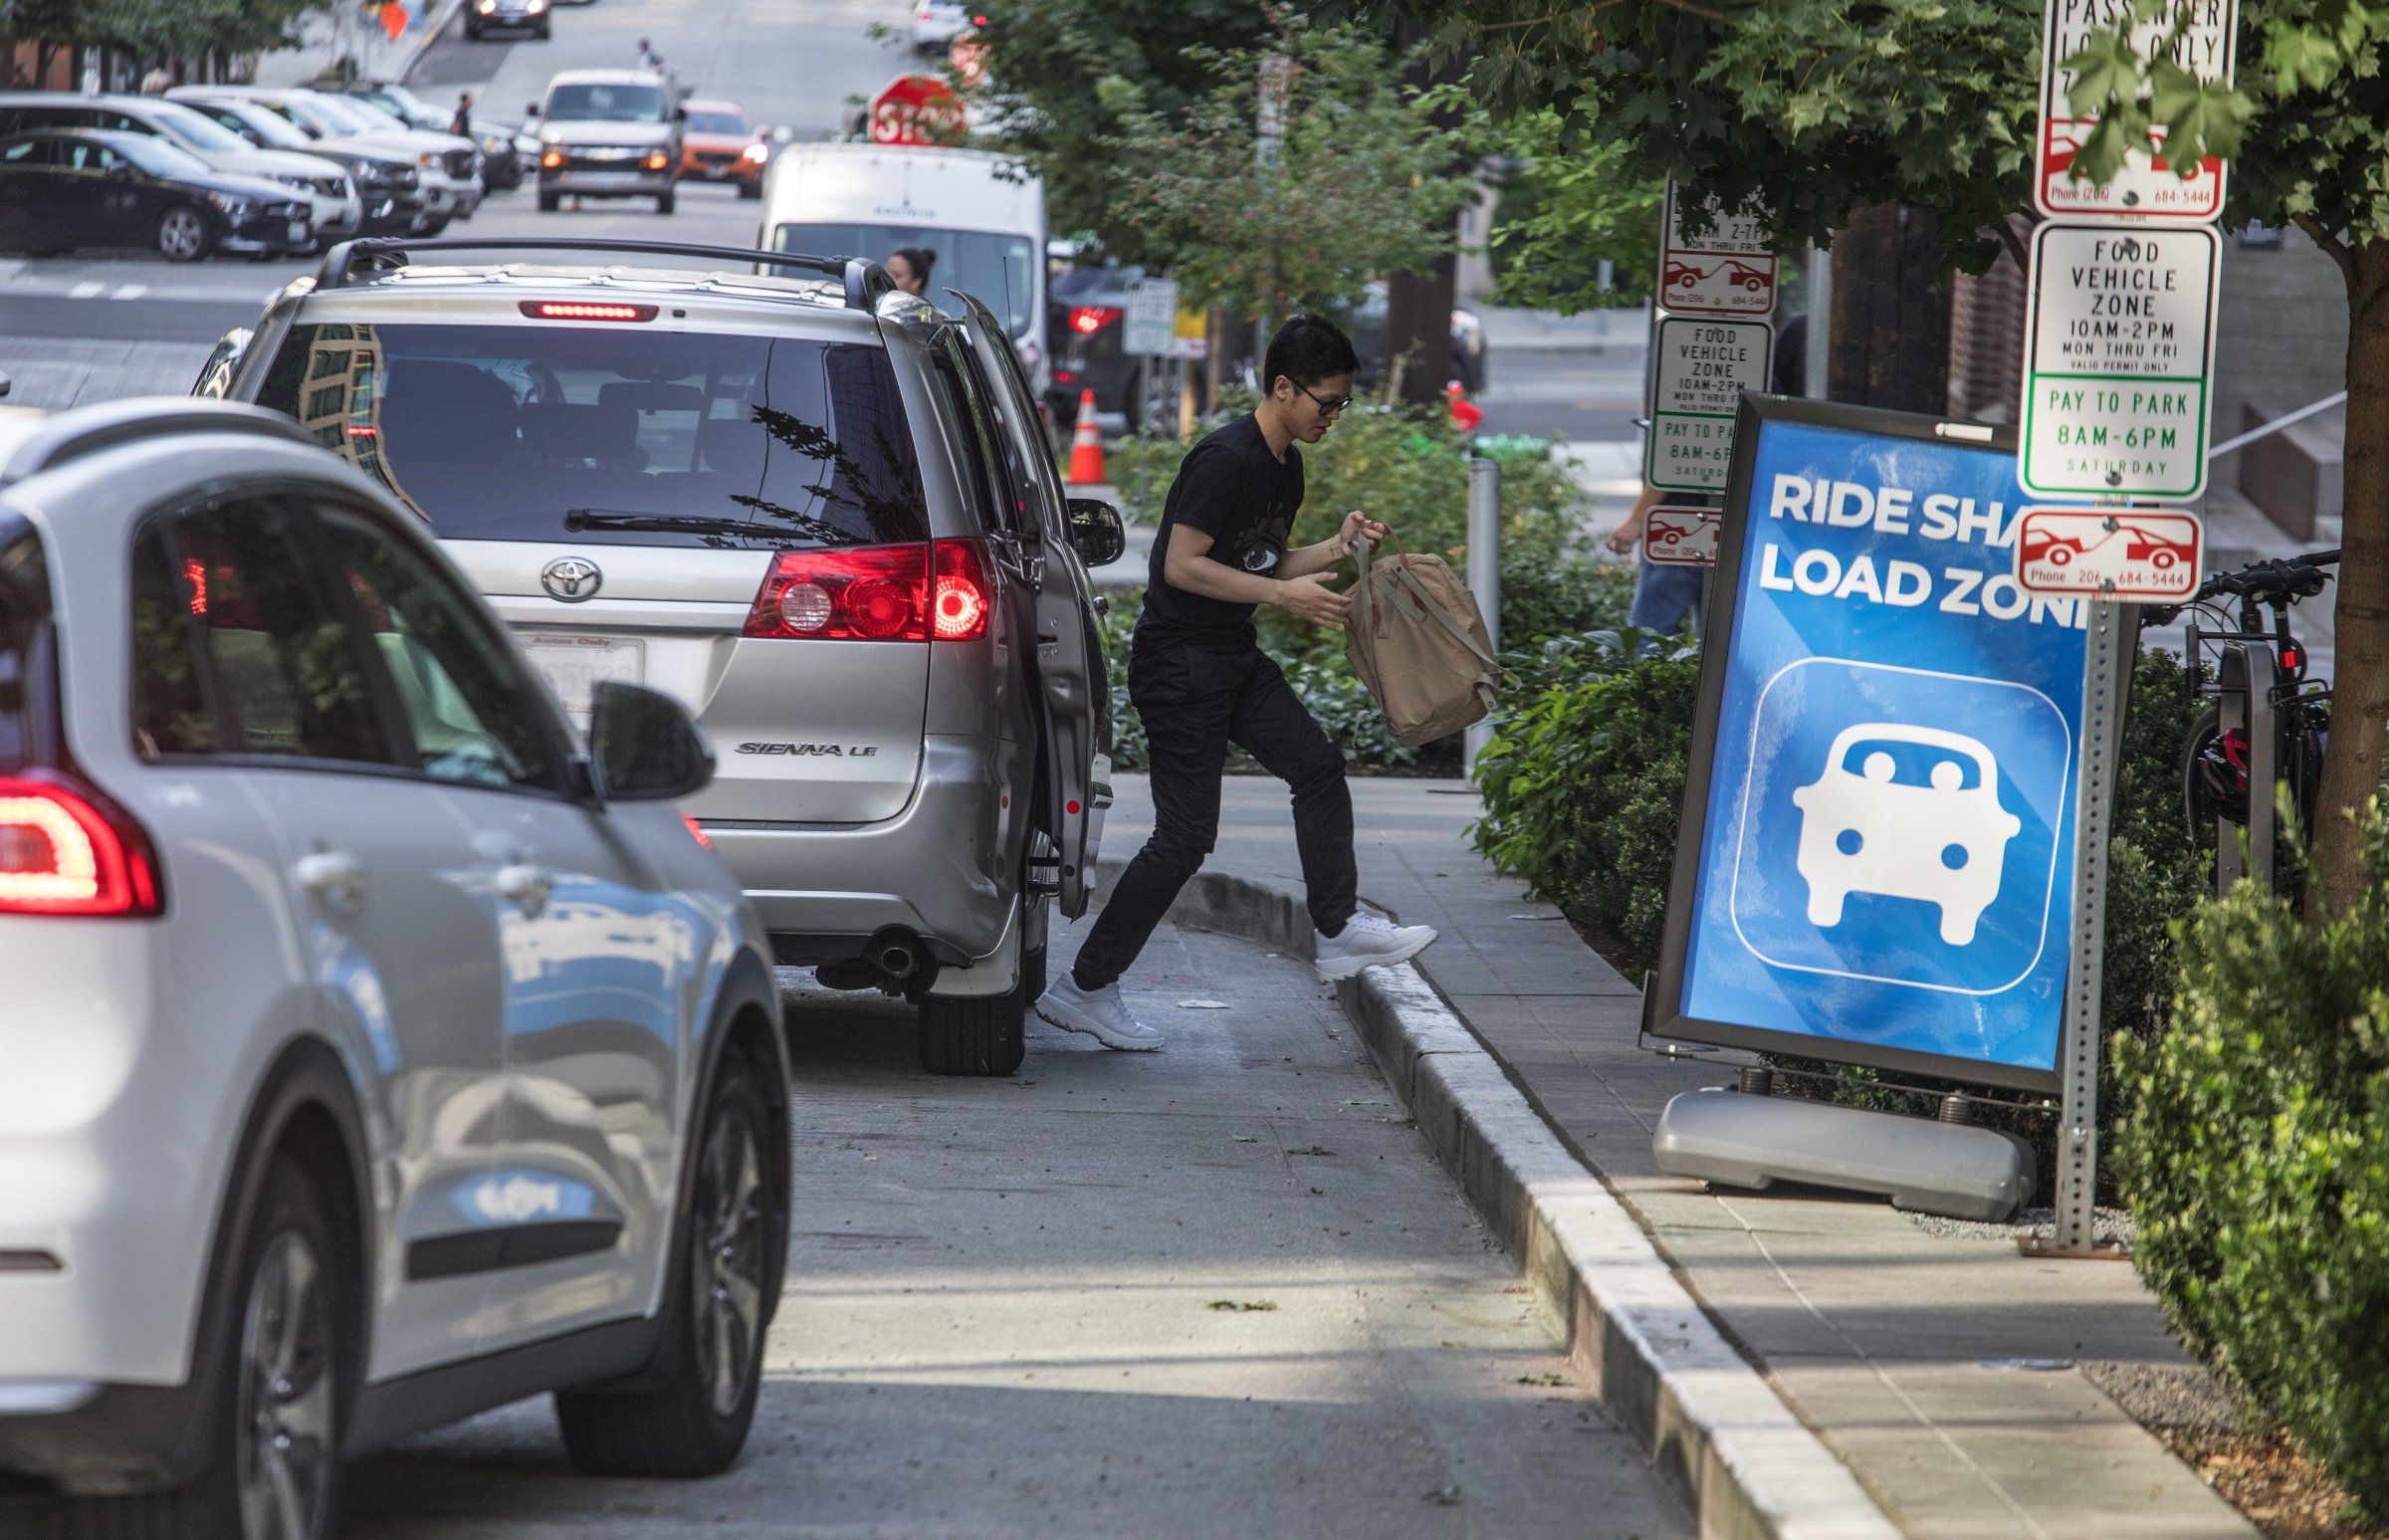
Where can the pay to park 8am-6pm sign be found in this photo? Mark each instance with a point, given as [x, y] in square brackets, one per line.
[1878, 818]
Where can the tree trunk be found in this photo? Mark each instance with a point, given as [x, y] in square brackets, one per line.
[2351, 766]
[1418, 323]
[1891, 344]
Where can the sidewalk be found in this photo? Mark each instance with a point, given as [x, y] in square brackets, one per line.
[1897, 1341]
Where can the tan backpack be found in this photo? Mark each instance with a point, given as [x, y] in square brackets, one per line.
[1418, 640]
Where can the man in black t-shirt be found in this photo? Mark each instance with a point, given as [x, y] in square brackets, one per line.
[1200, 681]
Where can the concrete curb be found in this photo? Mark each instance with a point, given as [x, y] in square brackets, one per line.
[1713, 1424]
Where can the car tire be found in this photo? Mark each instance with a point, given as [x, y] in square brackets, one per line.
[184, 235]
[549, 202]
[664, 202]
[287, 1350]
[718, 1304]
[435, 226]
[753, 187]
[984, 1036]
[543, 34]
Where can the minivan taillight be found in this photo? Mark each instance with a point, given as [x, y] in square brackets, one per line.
[1087, 320]
[875, 593]
[63, 853]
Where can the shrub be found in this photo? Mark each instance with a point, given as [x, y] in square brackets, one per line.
[2257, 1163]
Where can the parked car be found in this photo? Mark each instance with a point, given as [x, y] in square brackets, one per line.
[980, 217]
[938, 22]
[820, 512]
[447, 168]
[507, 152]
[375, 1054]
[719, 143]
[1085, 323]
[62, 189]
[389, 183]
[331, 192]
[484, 17]
[609, 133]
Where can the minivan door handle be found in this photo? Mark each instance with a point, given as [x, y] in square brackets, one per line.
[335, 879]
[525, 887]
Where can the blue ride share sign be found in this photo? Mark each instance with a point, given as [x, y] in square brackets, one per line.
[1878, 833]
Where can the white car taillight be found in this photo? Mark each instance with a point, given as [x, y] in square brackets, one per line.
[63, 852]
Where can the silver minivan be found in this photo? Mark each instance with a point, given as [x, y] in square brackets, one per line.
[819, 512]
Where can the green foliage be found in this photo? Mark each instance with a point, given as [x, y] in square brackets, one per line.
[1061, 73]
[2257, 1163]
[1562, 214]
[1364, 182]
[146, 28]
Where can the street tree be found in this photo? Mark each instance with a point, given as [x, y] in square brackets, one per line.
[1566, 210]
[1058, 72]
[1361, 181]
[1932, 105]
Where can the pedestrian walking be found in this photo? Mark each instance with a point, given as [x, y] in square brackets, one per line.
[1668, 600]
[462, 123]
[1199, 680]
[909, 266]
[649, 59]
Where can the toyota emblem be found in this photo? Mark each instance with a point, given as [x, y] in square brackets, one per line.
[571, 578]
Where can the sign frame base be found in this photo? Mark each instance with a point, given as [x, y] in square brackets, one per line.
[1958, 1171]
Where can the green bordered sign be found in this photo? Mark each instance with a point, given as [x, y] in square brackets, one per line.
[1698, 372]
[2118, 360]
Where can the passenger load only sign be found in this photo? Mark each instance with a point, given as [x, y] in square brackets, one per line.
[2120, 347]
[1698, 372]
[2146, 187]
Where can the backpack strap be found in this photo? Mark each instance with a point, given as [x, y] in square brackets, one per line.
[1427, 605]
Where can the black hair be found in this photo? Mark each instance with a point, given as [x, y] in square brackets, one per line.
[1307, 350]
[919, 258]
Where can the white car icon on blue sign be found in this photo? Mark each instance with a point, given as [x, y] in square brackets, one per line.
[1940, 841]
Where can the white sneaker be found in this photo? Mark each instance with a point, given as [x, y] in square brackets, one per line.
[1366, 941]
[1102, 1014]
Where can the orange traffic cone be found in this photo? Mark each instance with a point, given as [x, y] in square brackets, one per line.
[1086, 444]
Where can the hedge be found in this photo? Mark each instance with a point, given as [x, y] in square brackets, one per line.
[2256, 1163]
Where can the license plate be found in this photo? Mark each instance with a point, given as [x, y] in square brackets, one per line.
[576, 665]
[606, 178]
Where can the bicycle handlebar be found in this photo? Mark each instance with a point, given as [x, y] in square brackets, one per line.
[2283, 580]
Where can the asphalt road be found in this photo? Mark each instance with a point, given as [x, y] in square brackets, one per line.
[1222, 1290]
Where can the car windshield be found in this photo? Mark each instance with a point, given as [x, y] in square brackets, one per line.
[373, 115]
[607, 104]
[341, 116]
[24, 606]
[992, 267]
[196, 129]
[499, 432]
[156, 156]
[1898, 761]
[718, 123]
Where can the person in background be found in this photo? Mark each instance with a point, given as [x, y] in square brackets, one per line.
[909, 266]
[1199, 680]
[157, 82]
[1668, 600]
[462, 123]
[649, 59]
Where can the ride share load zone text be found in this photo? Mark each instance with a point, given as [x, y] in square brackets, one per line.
[1888, 818]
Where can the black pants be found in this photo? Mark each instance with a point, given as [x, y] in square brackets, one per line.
[1195, 702]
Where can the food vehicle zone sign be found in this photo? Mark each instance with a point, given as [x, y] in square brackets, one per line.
[1680, 536]
[2145, 188]
[2120, 346]
[1727, 270]
[1698, 372]
[1879, 804]
[1151, 325]
[2130, 556]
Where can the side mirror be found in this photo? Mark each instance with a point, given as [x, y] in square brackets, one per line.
[532, 111]
[1095, 532]
[6, 386]
[215, 377]
[643, 748]
[680, 115]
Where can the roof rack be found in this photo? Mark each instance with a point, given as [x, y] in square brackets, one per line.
[86, 430]
[352, 261]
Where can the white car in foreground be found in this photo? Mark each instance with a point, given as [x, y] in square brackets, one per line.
[374, 1057]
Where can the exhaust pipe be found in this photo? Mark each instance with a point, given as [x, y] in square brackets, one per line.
[898, 954]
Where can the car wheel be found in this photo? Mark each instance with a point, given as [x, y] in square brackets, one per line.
[753, 187]
[183, 234]
[549, 202]
[664, 202]
[274, 1474]
[986, 1034]
[720, 1299]
[543, 34]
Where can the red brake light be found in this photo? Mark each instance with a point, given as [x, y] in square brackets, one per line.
[960, 605]
[1087, 320]
[63, 853]
[558, 310]
[874, 594]
[2293, 657]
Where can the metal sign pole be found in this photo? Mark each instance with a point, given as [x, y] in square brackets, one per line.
[2107, 683]
[1485, 576]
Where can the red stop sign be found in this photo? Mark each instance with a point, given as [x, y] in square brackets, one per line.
[917, 110]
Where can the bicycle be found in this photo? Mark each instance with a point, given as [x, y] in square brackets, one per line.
[2268, 724]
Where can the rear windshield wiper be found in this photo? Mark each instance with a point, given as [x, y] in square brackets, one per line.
[698, 524]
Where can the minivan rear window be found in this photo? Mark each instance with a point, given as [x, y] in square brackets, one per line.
[540, 432]
[24, 610]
